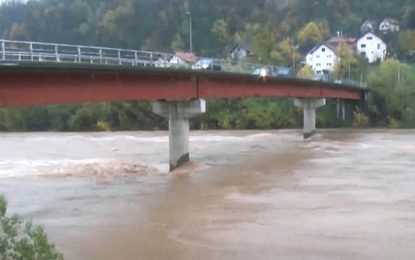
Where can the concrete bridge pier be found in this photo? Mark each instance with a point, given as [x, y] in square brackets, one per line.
[345, 110]
[179, 113]
[309, 105]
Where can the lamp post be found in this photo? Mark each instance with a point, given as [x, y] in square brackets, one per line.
[399, 72]
[190, 32]
[293, 54]
[349, 71]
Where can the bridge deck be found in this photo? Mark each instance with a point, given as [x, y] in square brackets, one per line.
[42, 84]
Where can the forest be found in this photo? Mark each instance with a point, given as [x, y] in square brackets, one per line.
[270, 27]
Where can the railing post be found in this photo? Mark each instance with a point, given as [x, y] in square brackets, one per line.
[79, 54]
[31, 51]
[361, 80]
[57, 53]
[119, 57]
[3, 50]
[100, 55]
[151, 59]
[135, 58]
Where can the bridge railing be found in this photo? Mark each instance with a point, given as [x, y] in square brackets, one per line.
[13, 52]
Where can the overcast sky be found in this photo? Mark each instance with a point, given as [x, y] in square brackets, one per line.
[3, 1]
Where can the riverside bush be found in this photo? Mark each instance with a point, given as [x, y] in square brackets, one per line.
[21, 240]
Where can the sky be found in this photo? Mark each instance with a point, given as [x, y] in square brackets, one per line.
[3, 1]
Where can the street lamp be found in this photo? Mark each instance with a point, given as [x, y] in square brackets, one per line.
[293, 54]
[190, 32]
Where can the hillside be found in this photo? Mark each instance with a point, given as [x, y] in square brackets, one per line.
[217, 24]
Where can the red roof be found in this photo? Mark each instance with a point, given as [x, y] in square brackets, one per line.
[188, 57]
[337, 40]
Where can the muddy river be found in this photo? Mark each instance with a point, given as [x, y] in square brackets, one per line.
[344, 194]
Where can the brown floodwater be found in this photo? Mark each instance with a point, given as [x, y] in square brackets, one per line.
[344, 194]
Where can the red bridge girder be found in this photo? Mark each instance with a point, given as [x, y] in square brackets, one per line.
[22, 86]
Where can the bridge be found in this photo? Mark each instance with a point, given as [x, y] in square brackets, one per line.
[35, 73]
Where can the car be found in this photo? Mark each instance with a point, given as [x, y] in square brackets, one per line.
[263, 72]
[283, 72]
[207, 64]
[320, 77]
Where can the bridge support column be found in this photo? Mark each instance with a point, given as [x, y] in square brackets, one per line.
[309, 105]
[178, 113]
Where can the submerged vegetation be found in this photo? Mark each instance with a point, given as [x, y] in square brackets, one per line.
[279, 32]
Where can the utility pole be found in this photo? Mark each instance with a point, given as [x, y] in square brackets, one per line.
[399, 72]
[293, 54]
[349, 72]
[190, 32]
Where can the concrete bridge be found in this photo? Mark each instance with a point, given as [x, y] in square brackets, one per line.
[33, 74]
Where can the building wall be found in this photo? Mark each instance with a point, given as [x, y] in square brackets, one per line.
[322, 59]
[387, 26]
[239, 53]
[372, 47]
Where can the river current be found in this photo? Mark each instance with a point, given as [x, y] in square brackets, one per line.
[344, 194]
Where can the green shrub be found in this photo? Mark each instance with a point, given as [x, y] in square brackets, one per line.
[360, 119]
[21, 240]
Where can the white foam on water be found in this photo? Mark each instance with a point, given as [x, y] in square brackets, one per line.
[149, 139]
[242, 138]
[26, 167]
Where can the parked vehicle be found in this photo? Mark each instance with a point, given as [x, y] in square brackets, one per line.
[283, 72]
[207, 64]
[262, 72]
[320, 76]
[274, 72]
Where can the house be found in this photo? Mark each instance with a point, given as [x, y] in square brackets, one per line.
[337, 40]
[181, 59]
[322, 58]
[389, 25]
[367, 26]
[372, 47]
[240, 51]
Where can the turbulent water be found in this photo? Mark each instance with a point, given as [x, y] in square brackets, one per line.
[247, 195]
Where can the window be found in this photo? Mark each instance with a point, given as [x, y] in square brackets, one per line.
[318, 56]
[370, 38]
[378, 46]
[328, 56]
[318, 64]
[329, 64]
[363, 45]
[323, 49]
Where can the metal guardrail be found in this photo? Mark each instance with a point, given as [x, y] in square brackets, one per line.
[13, 52]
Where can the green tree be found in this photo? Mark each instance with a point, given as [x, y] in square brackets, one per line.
[18, 32]
[289, 52]
[220, 29]
[306, 72]
[265, 45]
[310, 35]
[23, 240]
[346, 60]
[406, 43]
[393, 89]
